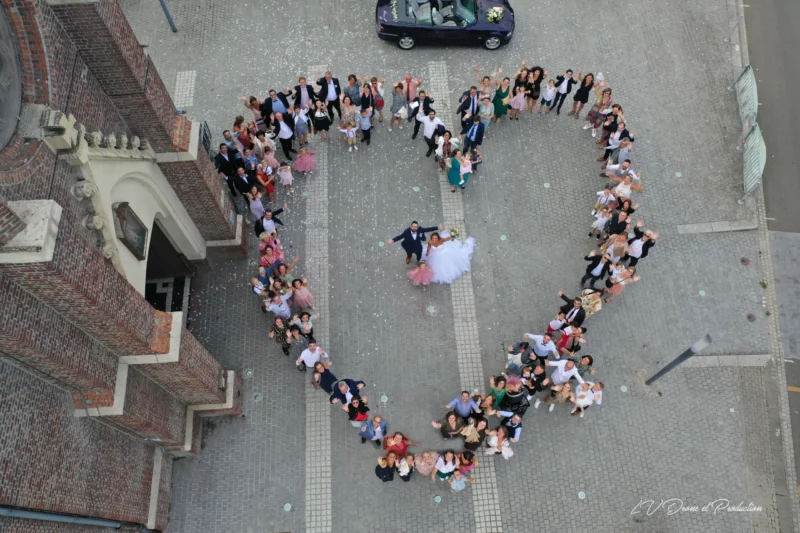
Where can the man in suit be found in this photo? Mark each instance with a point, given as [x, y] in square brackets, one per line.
[329, 92]
[304, 93]
[564, 85]
[473, 135]
[597, 269]
[276, 103]
[347, 389]
[242, 182]
[423, 102]
[283, 126]
[269, 222]
[640, 245]
[226, 165]
[470, 102]
[574, 315]
[413, 238]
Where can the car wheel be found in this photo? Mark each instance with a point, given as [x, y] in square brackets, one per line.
[406, 43]
[492, 43]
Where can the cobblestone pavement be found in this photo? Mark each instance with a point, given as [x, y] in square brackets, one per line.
[699, 435]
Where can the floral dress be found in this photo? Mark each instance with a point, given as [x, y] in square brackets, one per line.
[280, 337]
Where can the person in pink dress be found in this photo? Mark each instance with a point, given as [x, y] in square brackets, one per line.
[305, 161]
[302, 299]
[421, 274]
[285, 175]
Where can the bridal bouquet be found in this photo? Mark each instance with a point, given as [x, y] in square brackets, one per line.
[454, 233]
[495, 14]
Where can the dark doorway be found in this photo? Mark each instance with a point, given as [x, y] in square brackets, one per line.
[167, 273]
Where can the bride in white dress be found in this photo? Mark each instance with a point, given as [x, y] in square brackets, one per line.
[447, 257]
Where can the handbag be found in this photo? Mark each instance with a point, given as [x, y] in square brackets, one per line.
[403, 112]
[507, 452]
[506, 100]
[390, 477]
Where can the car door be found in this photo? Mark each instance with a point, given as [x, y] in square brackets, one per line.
[448, 28]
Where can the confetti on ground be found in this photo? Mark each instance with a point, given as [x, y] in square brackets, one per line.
[287, 507]
[503, 237]
[677, 174]
[384, 398]
[624, 388]
[415, 189]
[702, 293]
[437, 499]
[381, 244]
[546, 185]
[431, 309]
[581, 495]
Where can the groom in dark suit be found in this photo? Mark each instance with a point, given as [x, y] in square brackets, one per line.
[413, 238]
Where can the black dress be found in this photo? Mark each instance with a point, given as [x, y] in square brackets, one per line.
[582, 94]
[322, 122]
[327, 380]
[535, 86]
[385, 473]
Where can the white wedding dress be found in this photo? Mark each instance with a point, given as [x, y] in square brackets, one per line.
[450, 260]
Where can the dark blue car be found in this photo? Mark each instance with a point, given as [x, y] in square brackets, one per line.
[469, 22]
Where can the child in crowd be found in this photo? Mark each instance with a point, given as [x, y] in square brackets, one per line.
[365, 122]
[600, 223]
[285, 174]
[305, 161]
[548, 94]
[350, 135]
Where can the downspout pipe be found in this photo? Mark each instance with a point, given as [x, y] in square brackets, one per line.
[56, 517]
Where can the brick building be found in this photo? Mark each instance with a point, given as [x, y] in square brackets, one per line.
[105, 192]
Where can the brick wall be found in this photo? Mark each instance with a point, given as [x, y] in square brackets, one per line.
[236, 410]
[24, 16]
[150, 411]
[86, 288]
[35, 334]
[91, 106]
[107, 44]
[202, 200]
[164, 493]
[55, 462]
[20, 525]
[194, 379]
[10, 224]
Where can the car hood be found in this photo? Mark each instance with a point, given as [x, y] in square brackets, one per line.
[505, 24]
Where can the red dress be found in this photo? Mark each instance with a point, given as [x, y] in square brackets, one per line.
[269, 186]
[400, 448]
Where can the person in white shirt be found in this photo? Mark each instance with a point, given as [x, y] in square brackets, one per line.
[430, 123]
[564, 371]
[311, 356]
[587, 394]
[604, 198]
[278, 304]
[622, 170]
[543, 345]
[350, 133]
[548, 94]
[559, 390]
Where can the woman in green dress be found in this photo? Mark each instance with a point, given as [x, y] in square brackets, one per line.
[454, 170]
[501, 99]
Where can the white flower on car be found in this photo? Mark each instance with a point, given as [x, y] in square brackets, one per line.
[495, 14]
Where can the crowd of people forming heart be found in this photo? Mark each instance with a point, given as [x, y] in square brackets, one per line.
[247, 162]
